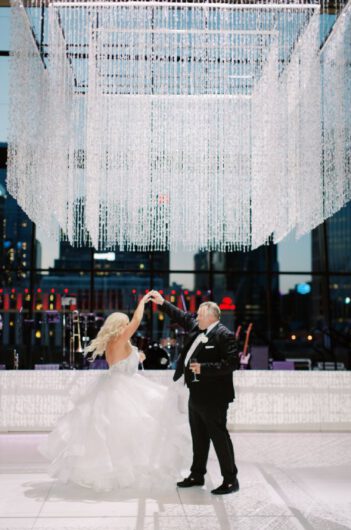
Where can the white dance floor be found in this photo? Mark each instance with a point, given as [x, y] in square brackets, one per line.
[288, 481]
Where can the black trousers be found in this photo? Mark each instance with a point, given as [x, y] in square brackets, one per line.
[208, 422]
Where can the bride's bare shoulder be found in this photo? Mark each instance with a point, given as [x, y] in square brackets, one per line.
[117, 349]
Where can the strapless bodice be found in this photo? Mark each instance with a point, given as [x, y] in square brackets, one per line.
[129, 365]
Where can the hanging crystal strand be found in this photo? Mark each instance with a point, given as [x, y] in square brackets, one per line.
[246, 56]
[94, 134]
[80, 126]
[112, 176]
[282, 225]
[25, 134]
[210, 128]
[173, 109]
[164, 88]
[336, 100]
[310, 188]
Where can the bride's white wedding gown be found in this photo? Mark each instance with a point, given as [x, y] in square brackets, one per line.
[125, 431]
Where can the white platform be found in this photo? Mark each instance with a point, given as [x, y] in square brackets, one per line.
[266, 400]
[289, 481]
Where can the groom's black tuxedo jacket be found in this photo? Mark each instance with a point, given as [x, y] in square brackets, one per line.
[218, 358]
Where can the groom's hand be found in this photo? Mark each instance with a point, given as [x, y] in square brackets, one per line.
[195, 368]
[156, 297]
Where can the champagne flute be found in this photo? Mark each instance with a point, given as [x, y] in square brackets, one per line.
[194, 360]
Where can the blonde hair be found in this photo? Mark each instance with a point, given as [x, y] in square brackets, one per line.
[112, 327]
[212, 308]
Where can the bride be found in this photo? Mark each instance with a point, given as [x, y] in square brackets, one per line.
[126, 431]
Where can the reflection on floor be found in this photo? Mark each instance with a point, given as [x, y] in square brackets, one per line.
[288, 481]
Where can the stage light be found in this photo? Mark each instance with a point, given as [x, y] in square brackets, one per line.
[293, 337]
[309, 337]
[39, 290]
[38, 334]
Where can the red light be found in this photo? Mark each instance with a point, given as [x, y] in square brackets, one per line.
[39, 290]
[227, 304]
[13, 290]
[1, 290]
[146, 291]
[198, 293]
[161, 291]
[52, 290]
[133, 291]
[186, 292]
[65, 290]
[173, 292]
[26, 290]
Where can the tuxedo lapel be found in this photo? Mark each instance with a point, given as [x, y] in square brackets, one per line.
[211, 335]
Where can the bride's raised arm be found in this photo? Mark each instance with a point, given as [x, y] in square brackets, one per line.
[133, 325]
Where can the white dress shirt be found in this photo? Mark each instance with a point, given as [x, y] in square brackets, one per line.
[199, 338]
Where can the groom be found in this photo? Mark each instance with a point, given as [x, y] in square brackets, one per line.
[211, 353]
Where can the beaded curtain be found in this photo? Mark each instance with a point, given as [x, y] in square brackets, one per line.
[165, 125]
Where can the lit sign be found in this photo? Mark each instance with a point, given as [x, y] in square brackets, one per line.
[108, 256]
[303, 288]
[227, 304]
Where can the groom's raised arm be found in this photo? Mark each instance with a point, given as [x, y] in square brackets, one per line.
[184, 319]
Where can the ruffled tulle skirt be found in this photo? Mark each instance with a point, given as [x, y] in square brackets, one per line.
[127, 431]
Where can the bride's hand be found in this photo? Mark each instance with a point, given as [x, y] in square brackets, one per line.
[146, 298]
[142, 356]
[157, 298]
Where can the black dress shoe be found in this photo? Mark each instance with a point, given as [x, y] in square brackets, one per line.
[226, 487]
[189, 482]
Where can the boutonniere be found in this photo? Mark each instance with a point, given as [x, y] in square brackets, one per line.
[204, 339]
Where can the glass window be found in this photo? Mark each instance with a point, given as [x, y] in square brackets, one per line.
[251, 261]
[295, 254]
[339, 240]
[183, 261]
[243, 300]
[299, 314]
[124, 261]
[48, 250]
[15, 318]
[340, 300]
[4, 28]
[4, 96]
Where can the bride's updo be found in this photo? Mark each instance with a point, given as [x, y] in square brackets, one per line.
[112, 327]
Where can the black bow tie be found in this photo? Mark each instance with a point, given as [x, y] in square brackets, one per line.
[203, 331]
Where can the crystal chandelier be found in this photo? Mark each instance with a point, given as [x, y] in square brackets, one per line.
[160, 125]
